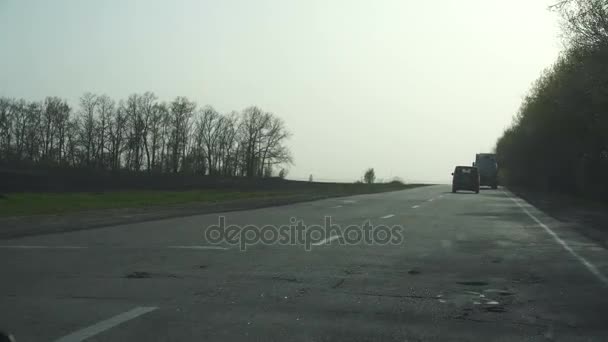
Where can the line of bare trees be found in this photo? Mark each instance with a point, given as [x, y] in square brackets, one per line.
[142, 133]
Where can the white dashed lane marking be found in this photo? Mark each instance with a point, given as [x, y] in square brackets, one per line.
[90, 331]
[328, 240]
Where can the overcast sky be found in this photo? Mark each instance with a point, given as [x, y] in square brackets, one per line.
[409, 87]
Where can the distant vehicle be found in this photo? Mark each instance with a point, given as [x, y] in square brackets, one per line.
[488, 169]
[465, 178]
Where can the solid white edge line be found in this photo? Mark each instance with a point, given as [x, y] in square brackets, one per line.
[198, 247]
[329, 239]
[387, 216]
[90, 331]
[549, 231]
[335, 207]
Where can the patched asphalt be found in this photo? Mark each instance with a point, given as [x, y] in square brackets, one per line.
[470, 268]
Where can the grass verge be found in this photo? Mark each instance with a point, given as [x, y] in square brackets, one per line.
[27, 204]
[21, 204]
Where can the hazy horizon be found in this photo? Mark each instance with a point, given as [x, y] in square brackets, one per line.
[409, 88]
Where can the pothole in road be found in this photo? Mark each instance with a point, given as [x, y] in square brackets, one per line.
[287, 279]
[499, 292]
[145, 275]
[496, 309]
[350, 272]
[472, 283]
[302, 292]
[480, 300]
[528, 279]
[414, 272]
[338, 284]
[138, 275]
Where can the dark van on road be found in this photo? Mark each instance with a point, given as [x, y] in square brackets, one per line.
[465, 178]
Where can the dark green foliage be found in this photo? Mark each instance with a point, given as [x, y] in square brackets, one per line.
[559, 138]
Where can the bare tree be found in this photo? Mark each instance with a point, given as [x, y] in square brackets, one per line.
[21, 127]
[272, 149]
[229, 143]
[165, 136]
[117, 130]
[140, 133]
[369, 176]
[585, 21]
[147, 108]
[63, 126]
[33, 127]
[181, 112]
[208, 130]
[6, 128]
[105, 108]
[72, 143]
[137, 129]
[88, 109]
[253, 122]
[55, 115]
[157, 120]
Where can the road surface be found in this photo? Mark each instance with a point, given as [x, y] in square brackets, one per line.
[485, 267]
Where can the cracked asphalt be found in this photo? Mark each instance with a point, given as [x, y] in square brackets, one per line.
[487, 267]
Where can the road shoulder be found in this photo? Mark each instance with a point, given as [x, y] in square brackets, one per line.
[589, 218]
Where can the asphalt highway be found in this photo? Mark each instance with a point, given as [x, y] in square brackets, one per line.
[486, 267]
